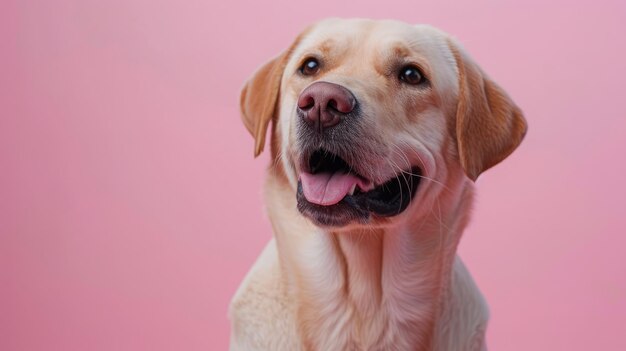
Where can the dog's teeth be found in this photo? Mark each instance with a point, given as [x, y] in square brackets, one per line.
[351, 192]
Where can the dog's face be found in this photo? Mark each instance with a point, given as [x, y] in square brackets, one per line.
[370, 117]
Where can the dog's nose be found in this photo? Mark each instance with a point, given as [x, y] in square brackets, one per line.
[323, 105]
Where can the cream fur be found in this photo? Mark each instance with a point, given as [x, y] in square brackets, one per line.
[393, 285]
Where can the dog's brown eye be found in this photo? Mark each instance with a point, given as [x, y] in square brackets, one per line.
[310, 67]
[411, 75]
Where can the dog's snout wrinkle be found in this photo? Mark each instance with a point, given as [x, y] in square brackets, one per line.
[323, 105]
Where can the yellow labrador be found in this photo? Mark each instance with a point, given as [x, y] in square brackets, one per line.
[379, 129]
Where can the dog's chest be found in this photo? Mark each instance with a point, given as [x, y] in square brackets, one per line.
[322, 312]
[357, 297]
[369, 328]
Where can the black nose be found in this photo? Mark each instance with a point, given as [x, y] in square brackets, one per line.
[323, 105]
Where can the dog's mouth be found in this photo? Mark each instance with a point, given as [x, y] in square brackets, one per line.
[332, 193]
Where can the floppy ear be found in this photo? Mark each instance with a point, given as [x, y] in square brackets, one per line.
[489, 126]
[259, 99]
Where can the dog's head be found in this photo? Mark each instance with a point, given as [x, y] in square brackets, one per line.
[370, 115]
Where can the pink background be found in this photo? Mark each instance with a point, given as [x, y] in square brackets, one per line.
[130, 203]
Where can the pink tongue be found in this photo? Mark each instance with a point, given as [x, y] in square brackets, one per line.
[329, 188]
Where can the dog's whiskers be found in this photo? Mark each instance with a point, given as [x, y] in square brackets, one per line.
[395, 166]
[425, 177]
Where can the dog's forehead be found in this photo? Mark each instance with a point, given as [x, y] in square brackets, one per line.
[333, 26]
[375, 35]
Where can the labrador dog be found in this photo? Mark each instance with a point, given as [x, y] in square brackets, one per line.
[379, 130]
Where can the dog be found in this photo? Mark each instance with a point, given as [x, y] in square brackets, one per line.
[379, 130]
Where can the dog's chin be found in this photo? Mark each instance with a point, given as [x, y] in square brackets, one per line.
[364, 204]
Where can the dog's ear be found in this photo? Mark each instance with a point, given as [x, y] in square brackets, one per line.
[259, 99]
[260, 95]
[489, 126]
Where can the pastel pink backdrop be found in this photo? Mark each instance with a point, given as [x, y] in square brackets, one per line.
[130, 203]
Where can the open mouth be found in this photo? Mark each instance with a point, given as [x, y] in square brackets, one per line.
[331, 193]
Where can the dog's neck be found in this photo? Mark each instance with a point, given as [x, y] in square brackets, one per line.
[369, 289]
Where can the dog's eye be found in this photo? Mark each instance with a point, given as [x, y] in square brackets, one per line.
[411, 75]
[310, 67]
